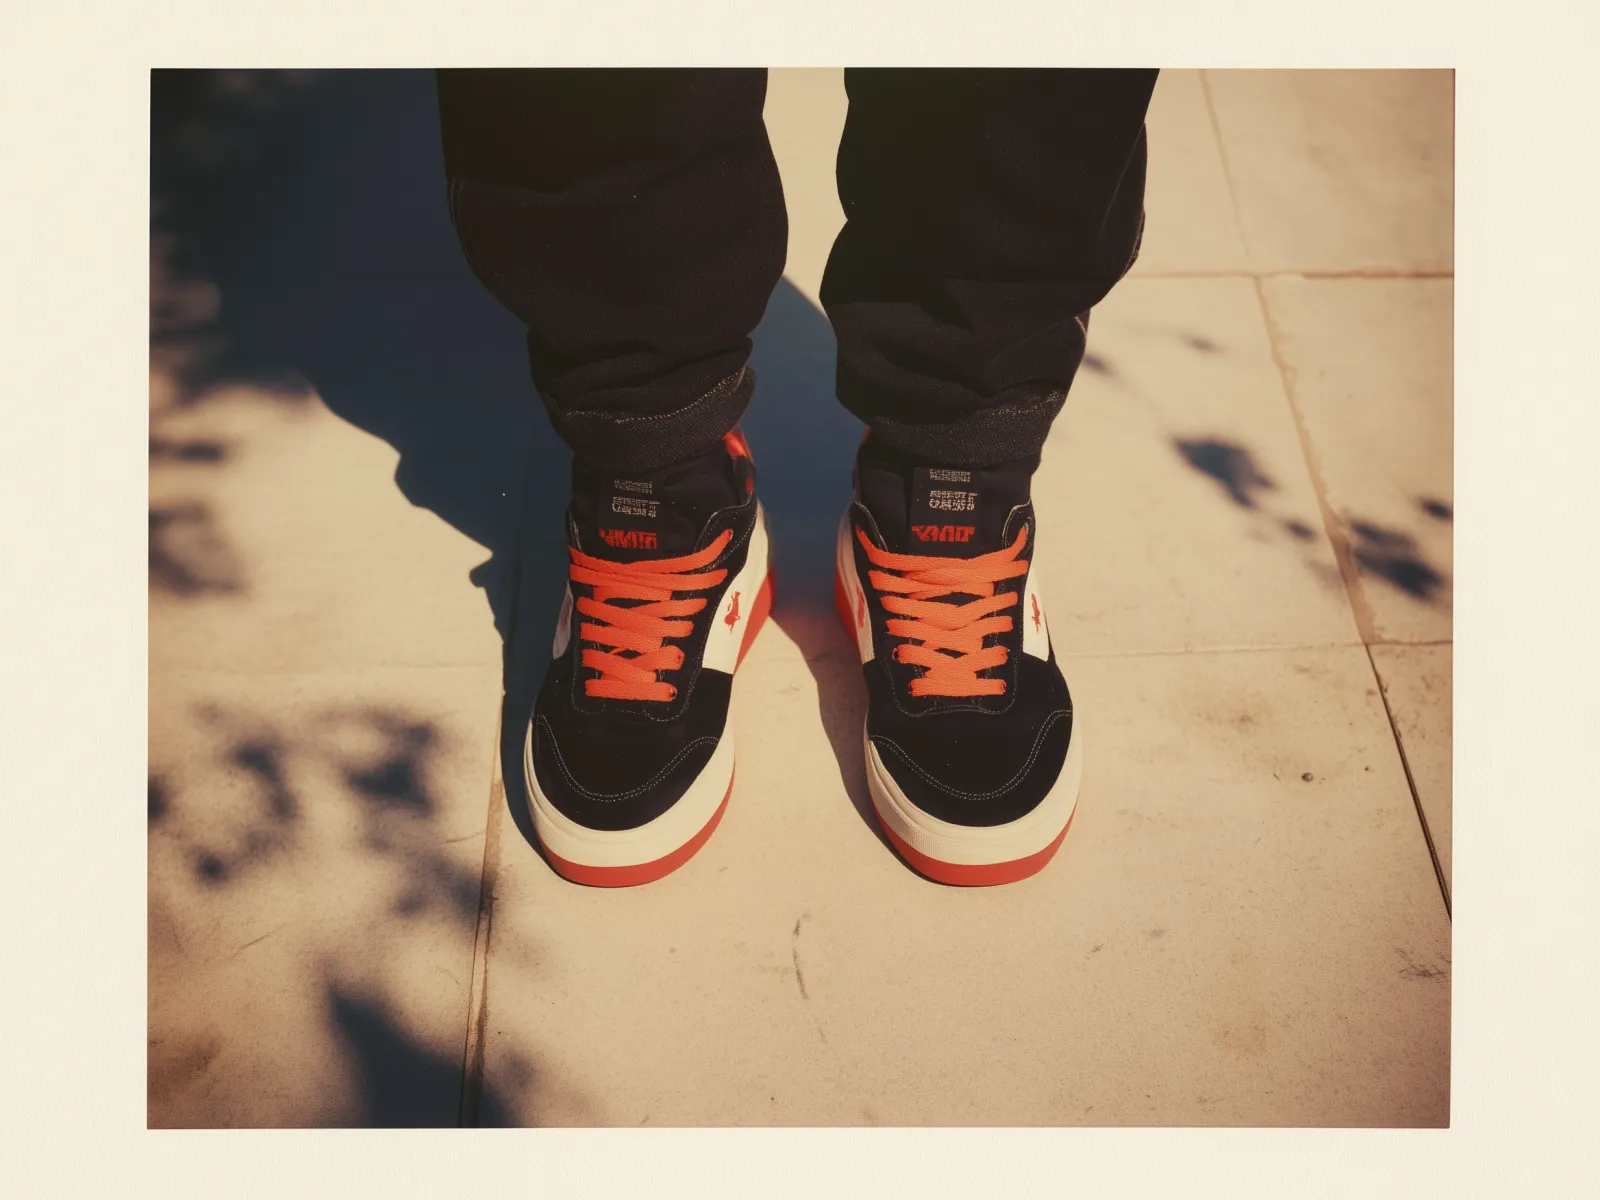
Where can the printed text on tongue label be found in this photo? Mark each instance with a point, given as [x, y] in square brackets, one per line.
[944, 533]
[630, 539]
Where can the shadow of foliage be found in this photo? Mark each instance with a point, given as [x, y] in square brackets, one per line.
[368, 772]
[404, 1085]
[395, 778]
[301, 244]
[200, 450]
[1391, 554]
[1394, 555]
[158, 801]
[1230, 464]
[189, 556]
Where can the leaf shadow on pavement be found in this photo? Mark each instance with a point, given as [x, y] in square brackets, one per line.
[315, 840]
[301, 248]
[1390, 554]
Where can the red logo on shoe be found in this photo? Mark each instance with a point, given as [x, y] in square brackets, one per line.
[1035, 600]
[629, 539]
[861, 606]
[944, 533]
[732, 618]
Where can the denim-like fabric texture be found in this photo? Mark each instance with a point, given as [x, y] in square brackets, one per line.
[635, 221]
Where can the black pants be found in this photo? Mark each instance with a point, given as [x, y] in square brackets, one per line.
[635, 221]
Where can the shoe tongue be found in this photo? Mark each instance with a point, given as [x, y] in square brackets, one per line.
[659, 514]
[958, 512]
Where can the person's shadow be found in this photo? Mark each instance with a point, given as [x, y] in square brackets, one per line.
[318, 204]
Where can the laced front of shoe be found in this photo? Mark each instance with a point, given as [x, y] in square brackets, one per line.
[627, 643]
[629, 756]
[972, 762]
[942, 635]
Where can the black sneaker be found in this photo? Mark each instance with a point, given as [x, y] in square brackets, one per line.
[629, 757]
[971, 760]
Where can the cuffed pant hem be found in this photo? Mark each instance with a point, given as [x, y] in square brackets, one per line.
[631, 442]
[1015, 428]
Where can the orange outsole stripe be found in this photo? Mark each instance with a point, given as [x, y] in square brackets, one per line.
[648, 872]
[970, 874]
[633, 876]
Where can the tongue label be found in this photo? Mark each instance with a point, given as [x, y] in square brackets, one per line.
[628, 515]
[944, 510]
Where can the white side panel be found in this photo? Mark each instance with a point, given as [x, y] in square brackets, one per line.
[1035, 628]
[729, 625]
[563, 625]
[860, 619]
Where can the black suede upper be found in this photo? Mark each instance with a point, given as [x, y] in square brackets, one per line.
[622, 769]
[975, 766]
[613, 764]
[980, 760]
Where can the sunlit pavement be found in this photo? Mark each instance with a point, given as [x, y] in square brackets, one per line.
[1245, 516]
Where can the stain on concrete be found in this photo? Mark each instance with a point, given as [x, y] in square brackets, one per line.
[1416, 970]
[794, 953]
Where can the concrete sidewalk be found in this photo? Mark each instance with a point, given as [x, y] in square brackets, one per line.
[1245, 511]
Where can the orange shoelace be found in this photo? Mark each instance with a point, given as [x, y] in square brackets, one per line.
[943, 636]
[638, 633]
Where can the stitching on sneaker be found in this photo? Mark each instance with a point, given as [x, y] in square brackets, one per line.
[610, 797]
[887, 743]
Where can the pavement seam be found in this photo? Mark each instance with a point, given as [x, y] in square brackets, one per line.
[1360, 608]
[1333, 526]
[1227, 167]
[1317, 273]
[1411, 782]
[1179, 651]
[472, 1053]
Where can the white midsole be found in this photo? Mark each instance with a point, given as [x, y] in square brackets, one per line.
[656, 839]
[674, 828]
[963, 845]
